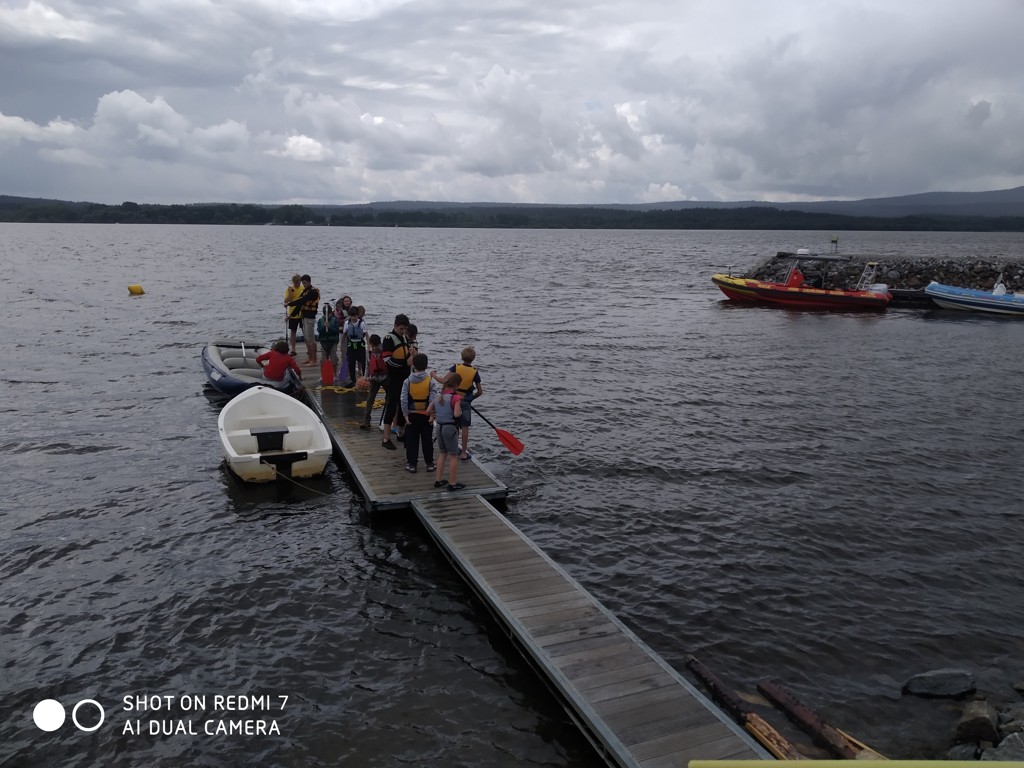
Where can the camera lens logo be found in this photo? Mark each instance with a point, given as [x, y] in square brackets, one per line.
[49, 715]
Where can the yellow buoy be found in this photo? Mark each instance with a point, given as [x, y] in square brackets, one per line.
[135, 290]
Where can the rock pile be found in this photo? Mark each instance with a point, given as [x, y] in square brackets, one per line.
[965, 272]
[984, 732]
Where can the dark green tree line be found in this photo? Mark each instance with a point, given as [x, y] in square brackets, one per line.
[488, 216]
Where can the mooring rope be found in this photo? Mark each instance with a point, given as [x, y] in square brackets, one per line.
[279, 475]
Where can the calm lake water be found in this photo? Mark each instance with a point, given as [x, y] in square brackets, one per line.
[831, 500]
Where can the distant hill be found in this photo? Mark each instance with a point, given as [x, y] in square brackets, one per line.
[999, 210]
[1003, 202]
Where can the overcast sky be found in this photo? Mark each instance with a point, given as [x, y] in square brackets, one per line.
[564, 101]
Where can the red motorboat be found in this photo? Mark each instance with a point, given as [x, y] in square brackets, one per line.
[797, 291]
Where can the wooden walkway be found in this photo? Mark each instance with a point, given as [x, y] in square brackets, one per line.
[633, 707]
[630, 704]
[380, 474]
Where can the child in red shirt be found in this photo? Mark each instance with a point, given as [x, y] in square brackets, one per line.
[278, 362]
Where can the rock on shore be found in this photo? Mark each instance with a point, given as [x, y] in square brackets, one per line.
[940, 683]
[984, 731]
[965, 272]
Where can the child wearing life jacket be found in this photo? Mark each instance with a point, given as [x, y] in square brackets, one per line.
[355, 345]
[328, 331]
[293, 315]
[341, 309]
[395, 348]
[470, 389]
[377, 371]
[417, 392]
[446, 408]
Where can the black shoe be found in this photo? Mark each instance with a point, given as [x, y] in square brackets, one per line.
[400, 438]
[439, 483]
[456, 487]
[389, 445]
[410, 468]
[431, 467]
[364, 426]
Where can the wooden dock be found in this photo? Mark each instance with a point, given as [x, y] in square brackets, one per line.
[379, 474]
[630, 704]
[633, 707]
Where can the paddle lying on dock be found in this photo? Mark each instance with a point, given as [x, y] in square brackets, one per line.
[507, 439]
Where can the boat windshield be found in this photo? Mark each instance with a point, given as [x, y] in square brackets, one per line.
[812, 269]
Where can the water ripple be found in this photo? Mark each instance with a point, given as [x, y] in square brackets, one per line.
[826, 499]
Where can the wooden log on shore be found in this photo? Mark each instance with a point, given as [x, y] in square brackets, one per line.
[864, 752]
[756, 725]
[835, 741]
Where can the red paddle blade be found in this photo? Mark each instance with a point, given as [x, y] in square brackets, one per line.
[327, 373]
[510, 441]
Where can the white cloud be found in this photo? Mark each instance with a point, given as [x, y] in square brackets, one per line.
[41, 21]
[229, 136]
[138, 121]
[569, 102]
[661, 193]
[70, 156]
[16, 129]
[301, 148]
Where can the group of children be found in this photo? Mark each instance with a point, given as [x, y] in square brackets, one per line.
[420, 407]
[438, 407]
[344, 325]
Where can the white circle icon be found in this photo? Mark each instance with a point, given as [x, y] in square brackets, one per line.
[49, 715]
[74, 715]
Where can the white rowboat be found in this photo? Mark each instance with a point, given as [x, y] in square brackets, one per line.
[264, 433]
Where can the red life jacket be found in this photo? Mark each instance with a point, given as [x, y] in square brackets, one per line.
[377, 365]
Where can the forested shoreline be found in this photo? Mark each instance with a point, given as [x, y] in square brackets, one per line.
[490, 216]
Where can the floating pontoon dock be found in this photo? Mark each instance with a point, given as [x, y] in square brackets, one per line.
[379, 474]
[630, 704]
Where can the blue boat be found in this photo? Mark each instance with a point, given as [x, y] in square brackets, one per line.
[231, 367]
[997, 300]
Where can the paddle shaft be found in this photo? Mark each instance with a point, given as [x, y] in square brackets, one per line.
[474, 410]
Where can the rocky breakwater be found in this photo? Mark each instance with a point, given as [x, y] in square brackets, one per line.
[909, 274]
[988, 729]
